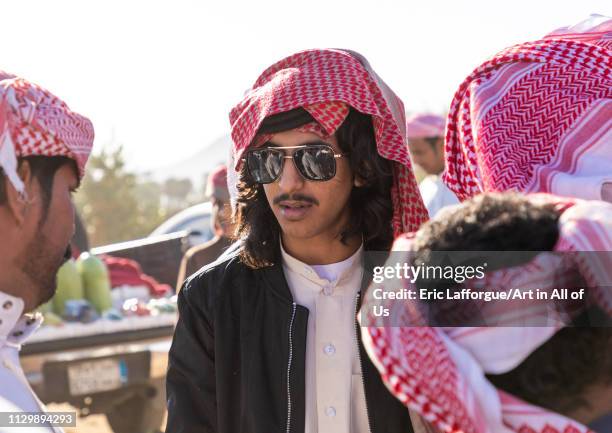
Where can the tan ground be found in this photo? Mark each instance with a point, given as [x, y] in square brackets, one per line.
[90, 424]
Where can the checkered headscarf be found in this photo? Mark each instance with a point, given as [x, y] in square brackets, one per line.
[33, 121]
[425, 125]
[325, 82]
[536, 117]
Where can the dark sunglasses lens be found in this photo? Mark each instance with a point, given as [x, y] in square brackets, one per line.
[316, 162]
[265, 165]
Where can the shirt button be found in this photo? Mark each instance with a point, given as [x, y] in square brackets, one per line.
[7, 305]
[329, 349]
[327, 290]
[330, 411]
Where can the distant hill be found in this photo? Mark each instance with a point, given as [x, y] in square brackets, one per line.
[197, 165]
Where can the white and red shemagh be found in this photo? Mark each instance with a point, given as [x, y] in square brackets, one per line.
[325, 82]
[425, 126]
[35, 122]
[439, 373]
[536, 117]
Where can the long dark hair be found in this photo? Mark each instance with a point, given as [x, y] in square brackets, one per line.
[370, 204]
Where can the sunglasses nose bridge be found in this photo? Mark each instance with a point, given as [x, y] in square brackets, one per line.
[290, 178]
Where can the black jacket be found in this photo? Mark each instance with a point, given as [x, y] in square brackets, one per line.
[239, 338]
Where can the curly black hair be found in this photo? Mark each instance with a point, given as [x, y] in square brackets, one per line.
[492, 222]
[371, 205]
[557, 374]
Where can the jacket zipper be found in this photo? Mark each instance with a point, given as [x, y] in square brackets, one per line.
[361, 361]
[289, 362]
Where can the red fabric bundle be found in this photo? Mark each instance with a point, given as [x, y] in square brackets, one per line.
[127, 272]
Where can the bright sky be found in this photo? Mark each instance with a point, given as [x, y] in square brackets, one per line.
[160, 77]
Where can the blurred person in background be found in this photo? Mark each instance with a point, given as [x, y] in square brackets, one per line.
[200, 255]
[43, 150]
[426, 144]
[267, 337]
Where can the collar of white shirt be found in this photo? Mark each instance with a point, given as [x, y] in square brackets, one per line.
[345, 268]
[16, 327]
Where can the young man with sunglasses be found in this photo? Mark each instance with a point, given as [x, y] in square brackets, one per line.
[267, 338]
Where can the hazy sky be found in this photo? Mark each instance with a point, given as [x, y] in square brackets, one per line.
[160, 77]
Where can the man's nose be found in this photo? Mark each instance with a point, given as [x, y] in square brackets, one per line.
[290, 179]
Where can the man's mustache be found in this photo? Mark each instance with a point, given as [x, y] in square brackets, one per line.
[295, 197]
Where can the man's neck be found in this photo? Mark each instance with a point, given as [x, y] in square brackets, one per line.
[321, 251]
[598, 398]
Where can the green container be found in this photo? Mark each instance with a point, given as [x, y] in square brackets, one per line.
[69, 286]
[96, 281]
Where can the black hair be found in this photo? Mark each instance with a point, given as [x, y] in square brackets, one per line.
[492, 222]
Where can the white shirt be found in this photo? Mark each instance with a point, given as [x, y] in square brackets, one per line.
[436, 194]
[335, 398]
[16, 395]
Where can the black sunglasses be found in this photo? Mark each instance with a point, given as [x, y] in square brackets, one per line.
[315, 162]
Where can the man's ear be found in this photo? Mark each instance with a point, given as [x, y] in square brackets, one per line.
[20, 204]
[364, 167]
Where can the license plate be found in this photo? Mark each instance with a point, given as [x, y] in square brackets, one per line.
[96, 376]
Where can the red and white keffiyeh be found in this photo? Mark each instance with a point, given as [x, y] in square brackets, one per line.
[536, 117]
[326, 82]
[439, 373]
[329, 116]
[425, 126]
[594, 30]
[33, 121]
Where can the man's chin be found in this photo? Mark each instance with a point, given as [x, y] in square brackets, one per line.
[48, 289]
[300, 231]
[295, 228]
[47, 293]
